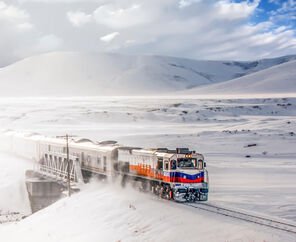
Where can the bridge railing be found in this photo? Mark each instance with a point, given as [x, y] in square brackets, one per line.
[55, 165]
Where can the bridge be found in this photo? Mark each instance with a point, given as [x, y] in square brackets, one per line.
[50, 177]
[56, 165]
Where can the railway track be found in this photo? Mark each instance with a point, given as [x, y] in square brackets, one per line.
[272, 223]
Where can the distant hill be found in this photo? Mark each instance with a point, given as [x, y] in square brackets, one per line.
[81, 74]
[277, 79]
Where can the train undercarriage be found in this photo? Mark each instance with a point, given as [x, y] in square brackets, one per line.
[176, 192]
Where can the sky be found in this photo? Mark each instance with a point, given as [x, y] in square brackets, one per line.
[197, 29]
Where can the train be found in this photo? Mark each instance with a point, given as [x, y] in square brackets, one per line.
[179, 174]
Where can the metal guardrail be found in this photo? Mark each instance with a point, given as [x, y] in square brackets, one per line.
[55, 165]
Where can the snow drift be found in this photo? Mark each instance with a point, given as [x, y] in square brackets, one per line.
[13, 193]
[106, 213]
[84, 74]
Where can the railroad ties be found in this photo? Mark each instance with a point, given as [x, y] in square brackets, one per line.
[272, 223]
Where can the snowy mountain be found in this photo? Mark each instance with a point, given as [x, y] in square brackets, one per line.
[80, 74]
[277, 79]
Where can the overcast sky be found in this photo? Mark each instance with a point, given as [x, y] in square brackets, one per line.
[199, 29]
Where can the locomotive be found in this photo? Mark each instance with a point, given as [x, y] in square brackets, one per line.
[180, 174]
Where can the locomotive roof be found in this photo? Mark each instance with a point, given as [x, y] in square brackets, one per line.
[80, 143]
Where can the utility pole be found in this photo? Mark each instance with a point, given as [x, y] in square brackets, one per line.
[68, 162]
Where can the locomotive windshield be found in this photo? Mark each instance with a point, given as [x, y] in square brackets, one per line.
[187, 163]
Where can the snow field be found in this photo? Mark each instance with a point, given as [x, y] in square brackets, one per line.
[13, 193]
[104, 212]
[259, 178]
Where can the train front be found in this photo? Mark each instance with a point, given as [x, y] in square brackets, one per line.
[189, 176]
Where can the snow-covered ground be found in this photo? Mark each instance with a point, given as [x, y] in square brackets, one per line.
[85, 74]
[276, 79]
[259, 178]
[107, 213]
[13, 193]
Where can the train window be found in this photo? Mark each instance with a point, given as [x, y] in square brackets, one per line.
[200, 164]
[49, 148]
[166, 165]
[173, 164]
[187, 163]
[160, 164]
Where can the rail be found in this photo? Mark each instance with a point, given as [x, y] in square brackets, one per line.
[272, 223]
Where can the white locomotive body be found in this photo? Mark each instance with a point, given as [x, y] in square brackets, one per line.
[174, 174]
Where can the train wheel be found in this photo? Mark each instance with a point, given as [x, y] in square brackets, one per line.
[123, 180]
[145, 186]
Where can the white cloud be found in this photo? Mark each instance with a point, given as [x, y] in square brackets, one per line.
[59, 1]
[19, 36]
[49, 43]
[115, 16]
[212, 29]
[274, 1]
[231, 10]
[13, 15]
[187, 3]
[78, 18]
[15, 32]
[24, 26]
[280, 29]
[109, 37]
[288, 5]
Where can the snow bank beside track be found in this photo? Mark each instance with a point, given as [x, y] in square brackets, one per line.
[103, 212]
[13, 193]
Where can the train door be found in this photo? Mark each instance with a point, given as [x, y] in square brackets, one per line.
[82, 158]
[160, 163]
[99, 162]
[173, 164]
[105, 163]
[166, 165]
[159, 168]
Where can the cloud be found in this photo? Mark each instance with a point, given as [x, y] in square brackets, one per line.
[286, 7]
[79, 18]
[15, 30]
[15, 16]
[19, 36]
[277, 2]
[199, 29]
[205, 30]
[49, 43]
[231, 10]
[187, 3]
[58, 1]
[109, 37]
[117, 17]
